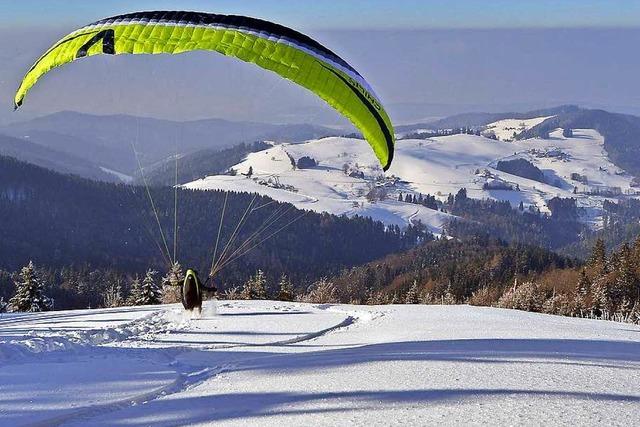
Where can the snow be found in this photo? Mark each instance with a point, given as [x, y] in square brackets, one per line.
[273, 363]
[438, 166]
[504, 129]
[324, 188]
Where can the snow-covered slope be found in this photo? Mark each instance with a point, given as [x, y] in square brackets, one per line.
[504, 130]
[272, 363]
[437, 166]
[325, 188]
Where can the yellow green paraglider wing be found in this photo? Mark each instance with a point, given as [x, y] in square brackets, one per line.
[274, 47]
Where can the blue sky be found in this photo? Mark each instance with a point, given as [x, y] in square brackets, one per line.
[350, 14]
[579, 51]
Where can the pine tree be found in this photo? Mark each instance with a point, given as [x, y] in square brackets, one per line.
[598, 259]
[624, 310]
[448, 298]
[136, 291]
[527, 297]
[412, 294]
[285, 292]
[4, 306]
[600, 303]
[171, 283]
[149, 293]
[247, 289]
[260, 285]
[581, 293]
[482, 297]
[322, 292]
[559, 304]
[255, 287]
[30, 292]
[634, 315]
[376, 298]
[626, 281]
[112, 296]
[426, 298]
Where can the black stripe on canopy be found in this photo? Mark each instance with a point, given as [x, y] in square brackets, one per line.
[232, 21]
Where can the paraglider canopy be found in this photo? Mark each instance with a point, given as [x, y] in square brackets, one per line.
[273, 47]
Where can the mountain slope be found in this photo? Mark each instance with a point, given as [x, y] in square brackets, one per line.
[274, 363]
[348, 180]
[621, 133]
[110, 140]
[474, 120]
[59, 220]
[27, 151]
[197, 164]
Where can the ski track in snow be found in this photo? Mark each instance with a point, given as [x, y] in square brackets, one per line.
[273, 363]
[142, 329]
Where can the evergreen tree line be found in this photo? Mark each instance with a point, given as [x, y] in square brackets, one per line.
[489, 272]
[466, 130]
[606, 287]
[33, 289]
[445, 266]
[620, 223]
[69, 224]
[427, 200]
[478, 272]
[495, 218]
[499, 220]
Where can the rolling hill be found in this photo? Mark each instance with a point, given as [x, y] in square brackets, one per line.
[348, 180]
[621, 133]
[109, 141]
[61, 220]
[63, 162]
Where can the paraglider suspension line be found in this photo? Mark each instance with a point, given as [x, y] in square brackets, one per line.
[146, 186]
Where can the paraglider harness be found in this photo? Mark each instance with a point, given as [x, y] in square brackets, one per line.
[192, 289]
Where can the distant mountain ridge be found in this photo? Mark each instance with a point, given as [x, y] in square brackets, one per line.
[482, 119]
[621, 131]
[110, 141]
[27, 151]
[81, 144]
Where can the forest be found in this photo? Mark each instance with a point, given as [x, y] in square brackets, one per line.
[488, 272]
[73, 226]
[69, 242]
[480, 271]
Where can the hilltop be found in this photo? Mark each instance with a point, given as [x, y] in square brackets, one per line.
[345, 177]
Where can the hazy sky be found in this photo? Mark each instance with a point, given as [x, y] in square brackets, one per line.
[424, 58]
[350, 14]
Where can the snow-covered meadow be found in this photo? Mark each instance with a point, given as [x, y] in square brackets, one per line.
[438, 166]
[274, 363]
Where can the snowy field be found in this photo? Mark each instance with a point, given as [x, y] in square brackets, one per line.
[271, 363]
[504, 129]
[438, 166]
